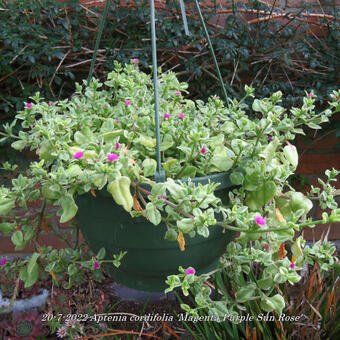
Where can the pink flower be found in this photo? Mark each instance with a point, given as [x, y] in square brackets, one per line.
[3, 261]
[70, 323]
[127, 103]
[259, 220]
[166, 116]
[190, 271]
[292, 265]
[78, 154]
[105, 106]
[112, 157]
[50, 103]
[28, 105]
[117, 145]
[181, 115]
[311, 95]
[177, 93]
[62, 332]
[117, 121]
[135, 60]
[336, 97]
[204, 150]
[270, 138]
[96, 264]
[266, 246]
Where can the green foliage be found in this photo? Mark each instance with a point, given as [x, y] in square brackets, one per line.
[109, 145]
[289, 312]
[48, 45]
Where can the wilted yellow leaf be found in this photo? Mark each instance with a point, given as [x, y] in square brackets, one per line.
[54, 276]
[181, 241]
[279, 215]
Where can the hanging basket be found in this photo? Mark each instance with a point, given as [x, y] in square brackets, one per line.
[150, 258]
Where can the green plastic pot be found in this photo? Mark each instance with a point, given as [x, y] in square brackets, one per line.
[150, 258]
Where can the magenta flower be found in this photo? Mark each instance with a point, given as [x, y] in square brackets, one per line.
[135, 60]
[78, 154]
[96, 264]
[311, 95]
[127, 103]
[270, 138]
[112, 157]
[259, 220]
[117, 121]
[29, 105]
[105, 106]
[336, 97]
[177, 93]
[117, 145]
[3, 261]
[266, 246]
[204, 150]
[166, 116]
[292, 265]
[181, 115]
[62, 332]
[50, 103]
[190, 271]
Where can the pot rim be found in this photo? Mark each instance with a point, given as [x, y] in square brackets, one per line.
[222, 178]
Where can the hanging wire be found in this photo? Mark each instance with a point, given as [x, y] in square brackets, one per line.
[99, 35]
[160, 174]
[184, 17]
[212, 52]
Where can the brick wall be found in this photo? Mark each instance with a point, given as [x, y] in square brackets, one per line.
[315, 159]
[318, 157]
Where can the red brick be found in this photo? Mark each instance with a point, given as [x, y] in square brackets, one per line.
[319, 143]
[7, 247]
[69, 224]
[314, 234]
[316, 3]
[317, 163]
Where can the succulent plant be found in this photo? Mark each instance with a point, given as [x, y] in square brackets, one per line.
[25, 325]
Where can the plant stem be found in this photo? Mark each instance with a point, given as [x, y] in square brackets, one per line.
[223, 224]
[306, 224]
[189, 159]
[38, 226]
[258, 139]
[9, 136]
